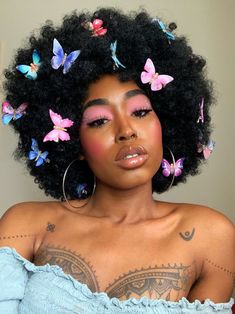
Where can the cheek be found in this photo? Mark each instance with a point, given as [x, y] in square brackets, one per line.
[155, 131]
[93, 148]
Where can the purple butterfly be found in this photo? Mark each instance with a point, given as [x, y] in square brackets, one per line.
[168, 168]
[62, 59]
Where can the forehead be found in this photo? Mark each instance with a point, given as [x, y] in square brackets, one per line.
[110, 87]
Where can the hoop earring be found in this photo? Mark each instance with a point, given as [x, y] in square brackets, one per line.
[173, 174]
[63, 186]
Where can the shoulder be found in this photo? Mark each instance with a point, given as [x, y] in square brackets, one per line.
[23, 223]
[211, 226]
[214, 247]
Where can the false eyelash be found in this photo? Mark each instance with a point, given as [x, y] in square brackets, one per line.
[146, 109]
[91, 123]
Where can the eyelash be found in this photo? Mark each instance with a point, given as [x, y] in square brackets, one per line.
[99, 122]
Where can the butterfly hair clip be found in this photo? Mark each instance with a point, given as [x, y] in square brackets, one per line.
[62, 59]
[82, 190]
[9, 113]
[156, 80]
[59, 132]
[30, 71]
[174, 169]
[95, 27]
[206, 149]
[162, 26]
[201, 113]
[113, 47]
[38, 156]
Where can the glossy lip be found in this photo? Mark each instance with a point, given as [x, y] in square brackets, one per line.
[132, 163]
[130, 150]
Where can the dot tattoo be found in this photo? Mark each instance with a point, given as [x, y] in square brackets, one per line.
[16, 236]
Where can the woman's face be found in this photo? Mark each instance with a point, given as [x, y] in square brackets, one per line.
[120, 134]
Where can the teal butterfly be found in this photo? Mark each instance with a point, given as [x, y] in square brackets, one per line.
[30, 71]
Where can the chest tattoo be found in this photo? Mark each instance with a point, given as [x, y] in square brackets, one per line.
[71, 263]
[169, 282]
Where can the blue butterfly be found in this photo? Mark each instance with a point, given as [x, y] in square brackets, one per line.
[62, 59]
[9, 113]
[37, 155]
[30, 71]
[81, 190]
[169, 35]
[113, 47]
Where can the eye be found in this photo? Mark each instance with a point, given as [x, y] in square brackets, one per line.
[141, 113]
[98, 122]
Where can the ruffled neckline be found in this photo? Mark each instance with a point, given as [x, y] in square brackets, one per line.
[105, 299]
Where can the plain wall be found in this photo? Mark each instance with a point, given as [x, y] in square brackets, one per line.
[209, 25]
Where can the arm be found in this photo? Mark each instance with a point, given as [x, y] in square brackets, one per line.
[216, 280]
[17, 231]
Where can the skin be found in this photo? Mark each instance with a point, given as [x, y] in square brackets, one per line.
[123, 242]
[101, 145]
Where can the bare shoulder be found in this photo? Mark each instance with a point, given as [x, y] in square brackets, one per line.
[213, 247]
[210, 224]
[23, 223]
[209, 219]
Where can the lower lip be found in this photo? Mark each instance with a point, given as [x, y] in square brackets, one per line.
[132, 163]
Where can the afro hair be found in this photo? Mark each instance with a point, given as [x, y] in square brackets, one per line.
[138, 37]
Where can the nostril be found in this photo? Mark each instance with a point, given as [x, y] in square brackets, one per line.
[127, 136]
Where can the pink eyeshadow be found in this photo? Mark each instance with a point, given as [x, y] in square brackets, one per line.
[138, 102]
[93, 113]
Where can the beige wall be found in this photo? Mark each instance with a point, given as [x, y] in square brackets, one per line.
[209, 24]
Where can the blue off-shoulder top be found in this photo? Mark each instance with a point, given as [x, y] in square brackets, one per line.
[29, 289]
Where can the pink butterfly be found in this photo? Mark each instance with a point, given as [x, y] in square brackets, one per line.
[156, 80]
[201, 114]
[206, 149]
[60, 131]
[96, 27]
[9, 113]
[171, 169]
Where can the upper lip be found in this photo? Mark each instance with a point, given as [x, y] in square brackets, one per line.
[130, 150]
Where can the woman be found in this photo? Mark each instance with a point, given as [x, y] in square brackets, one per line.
[109, 109]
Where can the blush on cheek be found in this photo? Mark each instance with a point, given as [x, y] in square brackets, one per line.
[156, 130]
[93, 149]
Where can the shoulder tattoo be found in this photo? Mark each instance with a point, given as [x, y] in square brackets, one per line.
[187, 235]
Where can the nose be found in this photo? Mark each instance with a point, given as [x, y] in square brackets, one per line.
[125, 132]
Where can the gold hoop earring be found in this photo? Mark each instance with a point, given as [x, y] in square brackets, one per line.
[63, 185]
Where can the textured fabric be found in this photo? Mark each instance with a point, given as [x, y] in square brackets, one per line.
[29, 289]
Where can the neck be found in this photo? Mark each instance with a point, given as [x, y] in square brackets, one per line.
[123, 206]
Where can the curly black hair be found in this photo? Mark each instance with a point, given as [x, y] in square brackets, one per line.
[138, 37]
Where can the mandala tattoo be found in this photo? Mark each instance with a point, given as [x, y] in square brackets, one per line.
[164, 282]
[155, 283]
[70, 262]
[187, 236]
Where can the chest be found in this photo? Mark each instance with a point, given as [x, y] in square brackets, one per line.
[124, 263]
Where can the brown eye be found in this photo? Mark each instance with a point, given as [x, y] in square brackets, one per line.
[98, 123]
[141, 113]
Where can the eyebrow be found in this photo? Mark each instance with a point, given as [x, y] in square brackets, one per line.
[104, 101]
